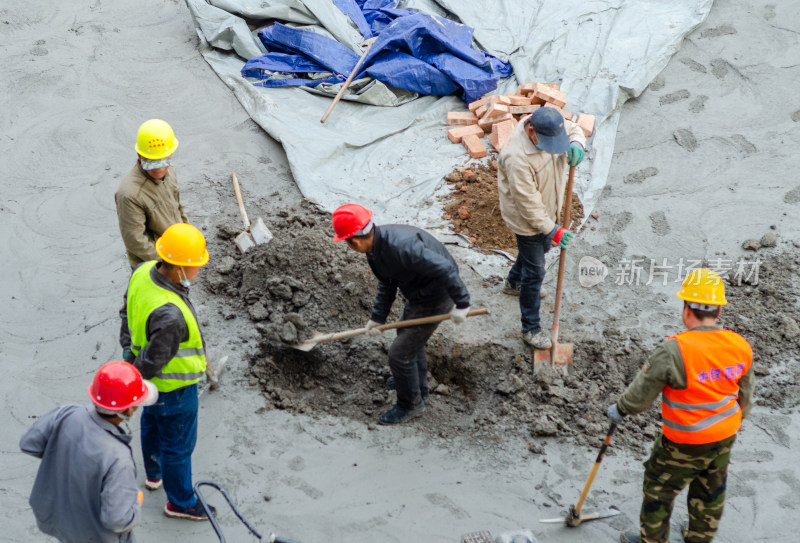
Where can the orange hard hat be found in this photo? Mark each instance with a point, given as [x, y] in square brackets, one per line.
[349, 220]
[118, 385]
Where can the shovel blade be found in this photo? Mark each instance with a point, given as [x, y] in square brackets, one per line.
[573, 522]
[244, 241]
[309, 344]
[260, 232]
[558, 356]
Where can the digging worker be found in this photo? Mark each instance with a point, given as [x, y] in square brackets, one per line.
[531, 181]
[85, 488]
[705, 377]
[412, 260]
[160, 335]
[148, 198]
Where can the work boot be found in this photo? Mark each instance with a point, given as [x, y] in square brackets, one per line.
[391, 385]
[153, 484]
[397, 414]
[629, 536]
[540, 340]
[511, 290]
[198, 512]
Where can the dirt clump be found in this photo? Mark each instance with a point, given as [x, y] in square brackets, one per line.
[474, 207]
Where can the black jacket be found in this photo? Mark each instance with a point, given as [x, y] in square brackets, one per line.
[412, 260]
[166, 329]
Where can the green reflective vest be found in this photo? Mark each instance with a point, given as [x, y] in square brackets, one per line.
[144, 296]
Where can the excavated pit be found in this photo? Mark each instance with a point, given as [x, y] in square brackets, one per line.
[301, 281]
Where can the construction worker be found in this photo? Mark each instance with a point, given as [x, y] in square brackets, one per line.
[160, 335]
[412, 260]
[148, 198]
[705, 377]
[85, 488]
[531, 181]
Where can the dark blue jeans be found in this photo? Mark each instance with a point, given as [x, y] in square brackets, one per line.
[528, 273]
[169, 434]
[407, 353]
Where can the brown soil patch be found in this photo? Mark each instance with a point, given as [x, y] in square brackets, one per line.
[474, 209]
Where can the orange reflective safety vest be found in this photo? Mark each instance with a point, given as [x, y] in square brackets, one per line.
[707, 410]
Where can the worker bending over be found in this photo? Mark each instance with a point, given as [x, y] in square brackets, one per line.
[412, 260]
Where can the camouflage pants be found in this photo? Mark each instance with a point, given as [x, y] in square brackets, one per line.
[669, 469]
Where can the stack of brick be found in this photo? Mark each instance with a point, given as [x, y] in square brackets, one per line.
[496, 116]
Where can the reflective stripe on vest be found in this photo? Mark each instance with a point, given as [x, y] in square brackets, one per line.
[707, 410]
[189, 364]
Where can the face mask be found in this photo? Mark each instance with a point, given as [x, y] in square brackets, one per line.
[184, 281]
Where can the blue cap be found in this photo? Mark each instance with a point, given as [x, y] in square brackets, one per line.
[548, 124]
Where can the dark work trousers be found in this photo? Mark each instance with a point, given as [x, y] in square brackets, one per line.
[528, 273]
[407, 353]
[169, 434]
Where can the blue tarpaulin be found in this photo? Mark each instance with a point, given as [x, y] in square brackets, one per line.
[413, 51]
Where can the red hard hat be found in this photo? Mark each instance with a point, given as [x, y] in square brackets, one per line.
[118, 385]
[349, 219]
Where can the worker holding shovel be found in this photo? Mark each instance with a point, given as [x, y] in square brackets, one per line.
[410, 259]
[531, 180]
[705, 377]
[160, 335]
[148, 198]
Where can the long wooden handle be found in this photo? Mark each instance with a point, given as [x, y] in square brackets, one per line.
[239, 199]
[596, 466]
[562, 261]
[398, 324]
[347, 82]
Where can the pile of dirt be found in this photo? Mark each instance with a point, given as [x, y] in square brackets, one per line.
[302, 281]
[474, 208]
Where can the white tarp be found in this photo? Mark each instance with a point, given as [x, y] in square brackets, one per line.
[393, 159]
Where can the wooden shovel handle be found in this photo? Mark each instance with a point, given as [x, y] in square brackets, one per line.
[347, 82]
[562, 260]
[399, 324]
[239, 199]
[589, 481]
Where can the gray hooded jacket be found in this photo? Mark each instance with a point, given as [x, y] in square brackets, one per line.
[85, 490]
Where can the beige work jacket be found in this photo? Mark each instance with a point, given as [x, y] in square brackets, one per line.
[145, 208]
[531, 182]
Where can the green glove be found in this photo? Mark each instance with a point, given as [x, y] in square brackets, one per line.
[575, 154]
[565, 237]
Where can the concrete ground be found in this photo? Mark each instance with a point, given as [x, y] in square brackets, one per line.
[703, 160]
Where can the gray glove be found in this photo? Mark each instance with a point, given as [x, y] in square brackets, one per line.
[614, 414]
[459, 316]
[372, 329]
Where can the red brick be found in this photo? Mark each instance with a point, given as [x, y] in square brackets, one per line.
[501, 132]
[553, 86]
[474, 146]
[476, 104]
[527, 88]
[487, 122]
[497, 99]
[557, 98]
[461, 117]
[496, 109]
[481, 110]
[519, 100]
[456, 134]
[586, 122]
[523, 110]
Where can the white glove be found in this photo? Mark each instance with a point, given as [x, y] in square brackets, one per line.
[459, 316]
[372, 328]
[614, 414]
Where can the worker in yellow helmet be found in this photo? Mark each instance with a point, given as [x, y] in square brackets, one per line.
[160, 335]
[705, 377]
[148, 198]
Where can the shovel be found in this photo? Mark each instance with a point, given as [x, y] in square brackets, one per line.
[322, 338]
[255, 233]
[574, 517]
[560, 354]
[213, 373]
[349, 79]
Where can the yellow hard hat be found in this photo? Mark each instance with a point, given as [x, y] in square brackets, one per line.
[703, 286]
[155, 140]
[183, 245]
